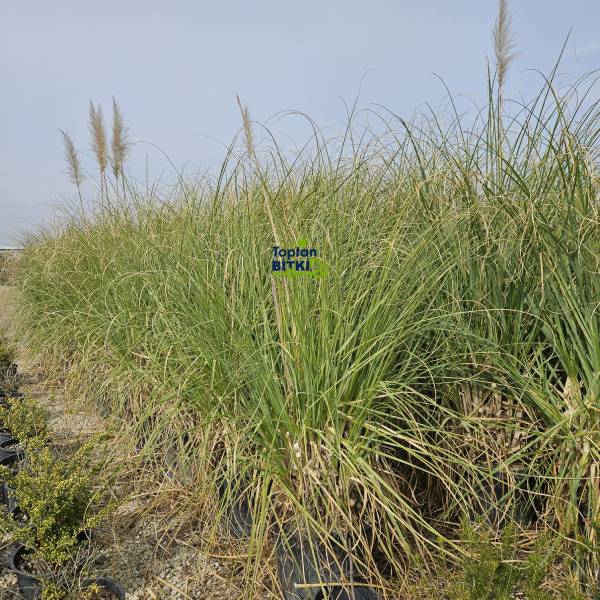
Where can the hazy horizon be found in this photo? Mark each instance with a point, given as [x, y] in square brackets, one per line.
[175, 70]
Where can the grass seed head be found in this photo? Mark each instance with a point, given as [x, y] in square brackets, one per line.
[120, 142]
[98, 133]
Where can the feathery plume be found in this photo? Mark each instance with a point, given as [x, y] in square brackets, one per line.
[504, 43]
[120, 142]
[72, 159]
[248, 133]
[98, 137]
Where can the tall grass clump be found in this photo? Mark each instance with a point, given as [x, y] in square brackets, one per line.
[447, 366]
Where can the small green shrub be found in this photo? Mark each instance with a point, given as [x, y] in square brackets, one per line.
[8, 371]
[52, 591]
[25, 419]
[496, 569]
[491, 570]
[59, 499]
[537, 565]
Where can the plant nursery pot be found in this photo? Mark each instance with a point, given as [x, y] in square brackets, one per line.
[9, 457]
[29, 585]
[107, 585]
[238, 516]
[310, 571]
[6, 439]
[492, 497]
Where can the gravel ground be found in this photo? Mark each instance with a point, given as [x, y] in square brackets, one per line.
[181, 571]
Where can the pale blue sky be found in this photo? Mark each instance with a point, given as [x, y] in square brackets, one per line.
[176, 66]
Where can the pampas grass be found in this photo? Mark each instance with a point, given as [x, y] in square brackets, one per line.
[120, 142]
[120, 148]
[99, 144]
[248, 132]
[98, 133]
[504, 44]
[72, 159]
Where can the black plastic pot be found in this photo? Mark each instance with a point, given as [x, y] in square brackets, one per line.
[307, 570]
[6, 439]
[29, 585]
[31, 588]
[355, 593]
[115, 588]
[9, 457]
[502, 493]
[238, 516]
